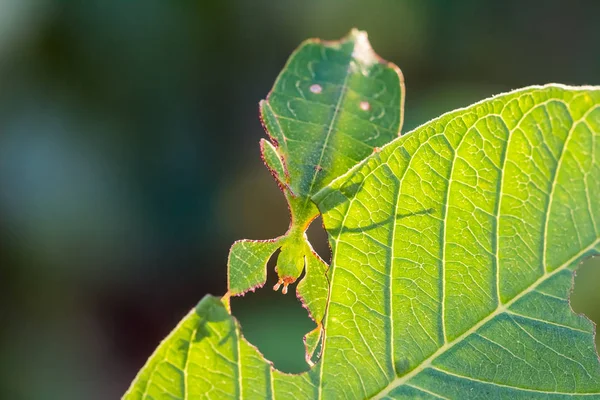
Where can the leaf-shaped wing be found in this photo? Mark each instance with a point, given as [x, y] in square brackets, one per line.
[330, 106]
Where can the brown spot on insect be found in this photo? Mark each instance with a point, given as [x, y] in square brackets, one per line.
[285, 281]
[376, 149]
[318, 168]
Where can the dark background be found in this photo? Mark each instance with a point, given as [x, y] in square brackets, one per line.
[129, 158]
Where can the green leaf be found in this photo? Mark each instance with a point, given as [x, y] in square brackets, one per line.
[453, 255]
[331, 106]
[206, 357]
[457, 252]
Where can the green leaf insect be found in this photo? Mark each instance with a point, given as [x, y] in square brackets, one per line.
[331, 106]
[453, 249]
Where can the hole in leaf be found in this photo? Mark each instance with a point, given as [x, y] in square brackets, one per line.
[586, 296]
[317, 236]
[275, 323]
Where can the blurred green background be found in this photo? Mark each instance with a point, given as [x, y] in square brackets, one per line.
[129, 158]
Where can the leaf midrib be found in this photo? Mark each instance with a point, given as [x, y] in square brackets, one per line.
[334, 118]
[501, 309]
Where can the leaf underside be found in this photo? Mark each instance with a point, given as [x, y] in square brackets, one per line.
[453, 252]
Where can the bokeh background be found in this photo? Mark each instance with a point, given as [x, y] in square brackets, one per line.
[129, 158]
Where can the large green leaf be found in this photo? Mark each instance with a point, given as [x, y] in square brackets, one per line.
[455, 247]
[453, 255]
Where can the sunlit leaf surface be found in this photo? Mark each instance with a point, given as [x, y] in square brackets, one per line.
[454, 249]
[453, 252]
